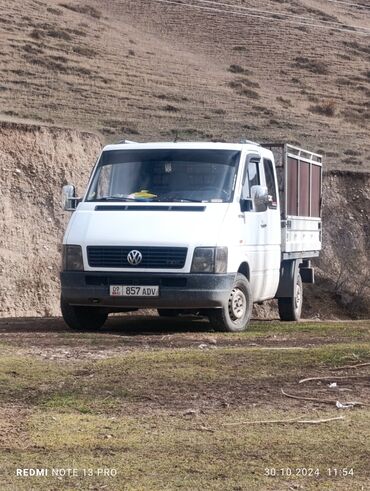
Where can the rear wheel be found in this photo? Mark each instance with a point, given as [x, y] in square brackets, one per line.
[82, 318]
[290, 308]
[235, 314]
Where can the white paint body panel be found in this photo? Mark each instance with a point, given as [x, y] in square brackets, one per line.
[300, 234]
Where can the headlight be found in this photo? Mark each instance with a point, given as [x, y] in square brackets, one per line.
[72, 258]
[209, 260]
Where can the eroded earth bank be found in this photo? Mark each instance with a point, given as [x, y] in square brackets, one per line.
[36, 161]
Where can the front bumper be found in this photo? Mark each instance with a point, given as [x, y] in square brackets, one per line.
[177, 291]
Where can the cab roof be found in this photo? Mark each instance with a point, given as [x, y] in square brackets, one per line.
[180, 145]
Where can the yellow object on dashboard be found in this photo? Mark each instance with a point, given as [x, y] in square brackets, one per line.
[144, 193]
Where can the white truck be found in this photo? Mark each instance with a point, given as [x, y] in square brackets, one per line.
[202, 228]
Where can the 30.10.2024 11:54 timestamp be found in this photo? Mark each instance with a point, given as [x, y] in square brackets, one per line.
[309, 471]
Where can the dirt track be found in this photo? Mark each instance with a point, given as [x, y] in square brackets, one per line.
[51, 338]
[184, 346]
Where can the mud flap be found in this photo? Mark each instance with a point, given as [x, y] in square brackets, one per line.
[288, 278]
[307, 272]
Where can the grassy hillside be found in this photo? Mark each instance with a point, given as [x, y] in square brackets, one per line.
[195, 70]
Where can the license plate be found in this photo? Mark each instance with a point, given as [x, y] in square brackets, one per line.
[133, 291]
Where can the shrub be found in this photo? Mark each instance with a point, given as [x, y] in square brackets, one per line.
[285, 102]
[243, 82]
[238, 69]
[170, 108]
[313, 66]
[83, 51]
[59, 34]
[242, 87]
[36, 34]
[325, 109]
[82, 9]
[54, 11]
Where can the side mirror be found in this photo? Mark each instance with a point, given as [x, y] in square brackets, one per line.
[260, 198]
[246, 204]
[69, 200]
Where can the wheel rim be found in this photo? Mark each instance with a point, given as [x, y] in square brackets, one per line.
[298, 296]
[237, 305]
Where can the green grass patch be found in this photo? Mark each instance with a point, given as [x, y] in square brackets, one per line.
[169, 452]
[68, 402]
[329, 330]
[25, 378]
[226, 363]
[140, 375]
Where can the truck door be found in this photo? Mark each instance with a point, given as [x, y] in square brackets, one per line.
[261, 230]
[253, 239]
[272, 231]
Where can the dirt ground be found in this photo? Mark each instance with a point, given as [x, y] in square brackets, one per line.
[124, 333]
[173, 405]
[50, 340]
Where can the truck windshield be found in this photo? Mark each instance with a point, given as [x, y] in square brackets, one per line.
[165, 175]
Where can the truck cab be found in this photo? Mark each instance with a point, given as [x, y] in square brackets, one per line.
[191, 228]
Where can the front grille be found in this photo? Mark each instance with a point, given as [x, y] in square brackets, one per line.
[152, 257]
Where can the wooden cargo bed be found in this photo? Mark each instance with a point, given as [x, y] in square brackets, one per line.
[299, 175]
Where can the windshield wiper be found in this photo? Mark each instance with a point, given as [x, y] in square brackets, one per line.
[186, 200]
[115, 198]
[177, 200]
[123, 198]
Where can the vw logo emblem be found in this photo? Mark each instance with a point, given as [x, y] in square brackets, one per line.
[134, 257]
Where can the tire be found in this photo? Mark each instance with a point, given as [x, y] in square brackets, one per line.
[235, 314]
[82, 318]
[168, 312]
[290, 308]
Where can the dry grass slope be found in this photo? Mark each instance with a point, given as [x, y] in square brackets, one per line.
[142, 70]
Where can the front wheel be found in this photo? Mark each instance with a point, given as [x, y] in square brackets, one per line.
[235, 314]
[82, 318]
[290, 308]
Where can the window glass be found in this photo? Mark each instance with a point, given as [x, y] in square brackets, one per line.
[104, 180]
[165, 175]
[270, 181]
[252, 178]
[253, 174]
